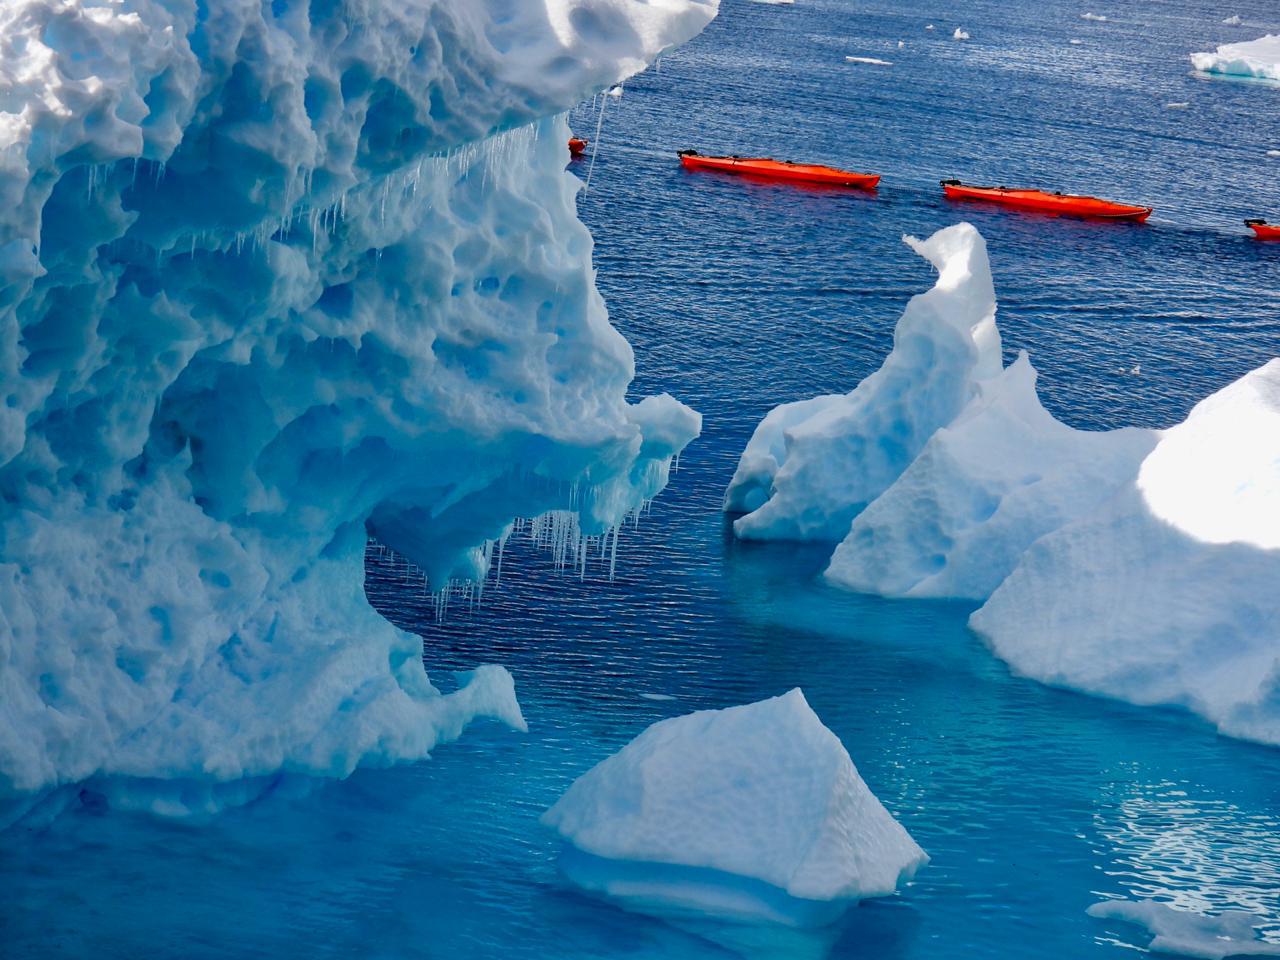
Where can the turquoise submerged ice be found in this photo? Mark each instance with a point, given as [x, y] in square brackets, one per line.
[1133, 563]
[273, 276]
[753, 812]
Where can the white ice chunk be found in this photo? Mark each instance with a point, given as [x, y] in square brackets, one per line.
[960, 34]
[1097, 17]
[984, 488]
[751, 813]
[812, 466]
[1180, 933]
[1257, 59]
[1233, 21]
[1167, 594]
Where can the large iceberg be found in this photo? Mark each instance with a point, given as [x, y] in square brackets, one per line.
[750, 813]
[1133, 563]
[1254, 59]
[273, 277]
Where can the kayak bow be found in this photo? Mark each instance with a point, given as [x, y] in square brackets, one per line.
[1263, 230]
[768, 169]
[1040, 200]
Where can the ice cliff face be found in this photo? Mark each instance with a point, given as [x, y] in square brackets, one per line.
[1129, 563]
[271, 276]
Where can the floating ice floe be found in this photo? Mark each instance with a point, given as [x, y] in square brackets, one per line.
[1131, 563]
[1075, 43]
[1254, 59]
[1233, 20]
[1180, 105]
[1182, 933]
[1273, 153]
[872, 61]
[1096, 17]
[960, 34]
[257, 324]
[752, 813]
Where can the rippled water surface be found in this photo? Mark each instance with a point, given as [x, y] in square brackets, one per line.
[1032, 802]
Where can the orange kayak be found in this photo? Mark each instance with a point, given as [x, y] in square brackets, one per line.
[1264, 230]
[576, 146]
[1064, 203]
[780, 170]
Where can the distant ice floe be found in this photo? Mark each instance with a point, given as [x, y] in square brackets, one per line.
[872, 61]
[1233, 20]
[1131, 563]
[960, 34]
[1096, 17]
[1075, 43]
[1273, 153]
[1257, 59]
[928, 26]
[1180, 105]
[1182, 933]
[753, 814]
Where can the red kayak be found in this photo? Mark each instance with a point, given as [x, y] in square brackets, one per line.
[1064, 203]
[780, 170]
[1264, 230]
[576, 146]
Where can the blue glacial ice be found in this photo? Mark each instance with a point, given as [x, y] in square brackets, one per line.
[1132, 563]
[752, 813]
[1182, 933]
[272, 277]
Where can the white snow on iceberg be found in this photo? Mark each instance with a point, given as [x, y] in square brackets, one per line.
[1167, 594]
[272, 276]
[1257, 59]
[812, 466]
[1181, 933]
[752, 813]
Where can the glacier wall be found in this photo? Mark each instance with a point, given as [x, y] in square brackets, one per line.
[1133, 563]
[273, 276]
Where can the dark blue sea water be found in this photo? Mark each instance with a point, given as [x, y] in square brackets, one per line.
[1034, 803]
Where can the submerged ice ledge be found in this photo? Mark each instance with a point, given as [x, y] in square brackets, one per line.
[1132, 563]
[273, 277]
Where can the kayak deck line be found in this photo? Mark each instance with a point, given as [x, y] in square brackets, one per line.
[1263, 230]
[1076, 205]
[770, 169]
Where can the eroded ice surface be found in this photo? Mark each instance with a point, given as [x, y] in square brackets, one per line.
[272, 275]
[1257, 59]
[1182, 933]
[753, 812]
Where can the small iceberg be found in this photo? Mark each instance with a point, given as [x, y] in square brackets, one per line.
[1185, 934]
[1255, 59]
[872, 61]
[753, 814]
[960, 34]
[1096, 17]
[1233, 20]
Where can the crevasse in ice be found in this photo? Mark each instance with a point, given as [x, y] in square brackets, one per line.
[1132, 563]
[273, 276]
[752, 813]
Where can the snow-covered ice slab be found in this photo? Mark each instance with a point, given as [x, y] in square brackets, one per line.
[1182, 933]
[752, 813]
[1256, 59]
[1168, 593]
